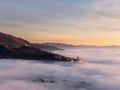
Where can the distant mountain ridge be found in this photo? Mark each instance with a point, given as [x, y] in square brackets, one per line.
[59, 45]
[45, 47]
[63, 45]
[90, 46]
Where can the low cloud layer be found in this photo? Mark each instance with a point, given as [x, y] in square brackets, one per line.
[102, 73]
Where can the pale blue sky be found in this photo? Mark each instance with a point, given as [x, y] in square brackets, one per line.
[69, 21]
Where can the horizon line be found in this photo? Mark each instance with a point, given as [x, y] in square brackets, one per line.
[76, 45]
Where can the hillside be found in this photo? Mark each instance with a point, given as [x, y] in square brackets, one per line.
[30, 53]
[22, 49]
[12, 41]
[46, 47]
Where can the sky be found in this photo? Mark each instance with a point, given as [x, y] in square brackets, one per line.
[89, 22]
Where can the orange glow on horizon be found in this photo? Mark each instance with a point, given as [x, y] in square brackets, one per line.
[58, 38]
[81, 42]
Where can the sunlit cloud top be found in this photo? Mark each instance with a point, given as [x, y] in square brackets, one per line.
[91, 22]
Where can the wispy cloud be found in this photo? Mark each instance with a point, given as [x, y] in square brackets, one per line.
[108, 8]
[61, 17]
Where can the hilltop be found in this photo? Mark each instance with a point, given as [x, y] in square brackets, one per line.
[18, 48]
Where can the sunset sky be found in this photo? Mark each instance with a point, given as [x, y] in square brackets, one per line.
[89, 22]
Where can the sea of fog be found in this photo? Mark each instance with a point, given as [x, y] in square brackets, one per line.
[98, 70]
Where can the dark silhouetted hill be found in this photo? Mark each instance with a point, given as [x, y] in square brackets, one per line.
[12, 41]
[30, 53]
[22, 49]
